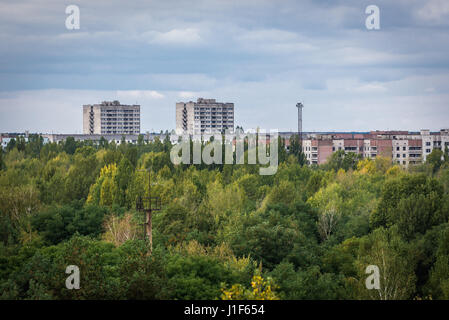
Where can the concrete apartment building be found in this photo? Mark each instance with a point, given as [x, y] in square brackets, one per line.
[403, 147]
[111, 117]
[204, 116]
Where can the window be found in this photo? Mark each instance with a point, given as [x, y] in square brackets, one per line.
[428, 150]
[404, 148]
[403, 156]
[427, 143]
[397, 148]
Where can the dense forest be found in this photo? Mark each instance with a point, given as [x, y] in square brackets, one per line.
[224, 231]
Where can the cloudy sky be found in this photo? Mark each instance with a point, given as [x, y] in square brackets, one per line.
[263, 55]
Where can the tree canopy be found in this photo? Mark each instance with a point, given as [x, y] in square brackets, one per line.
[224, 231]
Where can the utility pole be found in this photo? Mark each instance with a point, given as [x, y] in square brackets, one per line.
[147, 205]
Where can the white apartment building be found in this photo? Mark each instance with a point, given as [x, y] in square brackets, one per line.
[111, 117]
[369, 150]
[204, 116]
[307, 149]
[432, 141]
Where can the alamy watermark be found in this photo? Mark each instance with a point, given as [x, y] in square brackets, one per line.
[373, 280]
[372, 22]
[261, 148]
[72, 281]
[72, 22]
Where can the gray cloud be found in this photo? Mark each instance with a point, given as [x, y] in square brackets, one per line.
[262, 55]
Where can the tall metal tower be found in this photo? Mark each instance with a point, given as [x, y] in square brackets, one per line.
[299, 105]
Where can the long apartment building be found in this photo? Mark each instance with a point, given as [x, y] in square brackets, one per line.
[403, 147]
[111, 117]
[204, 116]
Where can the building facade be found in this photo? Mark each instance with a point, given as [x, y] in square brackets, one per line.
[111, 117]
[204, 116]
[403, 147]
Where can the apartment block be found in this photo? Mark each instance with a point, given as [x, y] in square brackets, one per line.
[204, 116]
[111, 117]
[434, 140]
[403, 147]
[317, 150]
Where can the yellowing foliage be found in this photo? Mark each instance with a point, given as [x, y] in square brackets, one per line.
[261, 290]
[104, 191]
[394, 171]
[366, 166]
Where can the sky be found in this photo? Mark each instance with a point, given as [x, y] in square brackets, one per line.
[262, 55]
